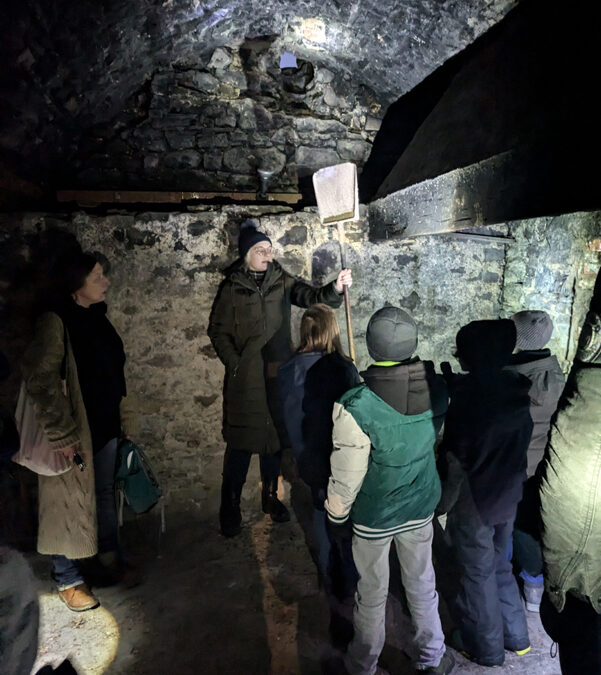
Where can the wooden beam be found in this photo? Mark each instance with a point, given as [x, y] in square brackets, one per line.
[97, 197]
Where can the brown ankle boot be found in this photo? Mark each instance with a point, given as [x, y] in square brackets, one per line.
[79, 598]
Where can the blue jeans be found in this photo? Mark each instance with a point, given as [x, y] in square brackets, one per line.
[67, 573]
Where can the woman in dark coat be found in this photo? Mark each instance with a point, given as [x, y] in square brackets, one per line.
[250, 331]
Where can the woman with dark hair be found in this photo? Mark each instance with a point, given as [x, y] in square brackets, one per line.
[75, 340]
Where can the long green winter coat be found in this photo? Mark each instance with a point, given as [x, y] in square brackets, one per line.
[571, 493]
[250, 331]
[67, 503]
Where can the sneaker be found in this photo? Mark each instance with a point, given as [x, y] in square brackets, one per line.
[446, 665]
[521, 652]
[533, 594]
[79, 598]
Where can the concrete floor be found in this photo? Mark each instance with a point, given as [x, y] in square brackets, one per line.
[249, 605]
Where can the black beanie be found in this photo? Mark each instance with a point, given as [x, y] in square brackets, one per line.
[486, 345]
[249, 236]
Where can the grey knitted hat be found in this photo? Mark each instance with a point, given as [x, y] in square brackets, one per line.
[391, 335]
[534, 329]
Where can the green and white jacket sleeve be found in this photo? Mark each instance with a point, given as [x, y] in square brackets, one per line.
[349, 462]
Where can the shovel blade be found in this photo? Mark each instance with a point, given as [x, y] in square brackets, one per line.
[337, 193]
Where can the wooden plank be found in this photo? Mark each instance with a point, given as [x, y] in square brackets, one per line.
[97, 197]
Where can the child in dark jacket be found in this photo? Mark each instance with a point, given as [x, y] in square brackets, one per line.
[482, 464]
[310, 382]
[534, 329]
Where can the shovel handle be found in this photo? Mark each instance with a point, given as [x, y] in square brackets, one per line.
[347, 302]
[349, 329]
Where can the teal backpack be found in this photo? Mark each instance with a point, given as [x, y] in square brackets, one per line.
[135, 480]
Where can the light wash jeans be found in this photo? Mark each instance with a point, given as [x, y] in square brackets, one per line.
[414, 550]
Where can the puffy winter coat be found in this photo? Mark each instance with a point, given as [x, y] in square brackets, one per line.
[383, 468]
[310, 383]
[487, 432]
[250, 331]
[547, 382]
[67, 503]
[571, 493]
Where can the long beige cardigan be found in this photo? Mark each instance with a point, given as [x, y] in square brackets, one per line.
[67, 503]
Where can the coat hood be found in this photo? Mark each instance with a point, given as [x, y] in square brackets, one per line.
[544, 373]
[410, 388]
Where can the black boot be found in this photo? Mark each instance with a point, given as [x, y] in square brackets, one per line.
[271, 504]
[230, 517]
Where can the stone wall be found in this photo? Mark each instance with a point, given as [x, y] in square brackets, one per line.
[165, 269]
[122, 95]
[210, 125]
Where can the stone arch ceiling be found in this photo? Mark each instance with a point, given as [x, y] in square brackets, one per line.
[69, 67]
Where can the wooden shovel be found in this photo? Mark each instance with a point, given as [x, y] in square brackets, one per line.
[337, 195]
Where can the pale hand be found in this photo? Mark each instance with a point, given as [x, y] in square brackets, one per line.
[345, 278]
[70, 451]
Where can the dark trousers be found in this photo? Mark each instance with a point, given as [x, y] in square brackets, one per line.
[334, 556]
[577, 631]
[236, 463]
[488, 608]
[105, 467]
[66, 572]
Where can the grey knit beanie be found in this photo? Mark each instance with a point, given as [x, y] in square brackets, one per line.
[534, 329]
[391, 335]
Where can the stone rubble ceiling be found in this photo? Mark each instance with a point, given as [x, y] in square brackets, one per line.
[70, 65]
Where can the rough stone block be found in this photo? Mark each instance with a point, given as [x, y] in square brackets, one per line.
[372, 124]
[205, 82]
[237, 162]
[186, 159]
[353, 150]
[232, 83]
[212, 161]
[220, 59]
[212, 140]
[180, 141]
[316, 158]
[315, 125]
[225, 120]
[295, 236]
[324, 75]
